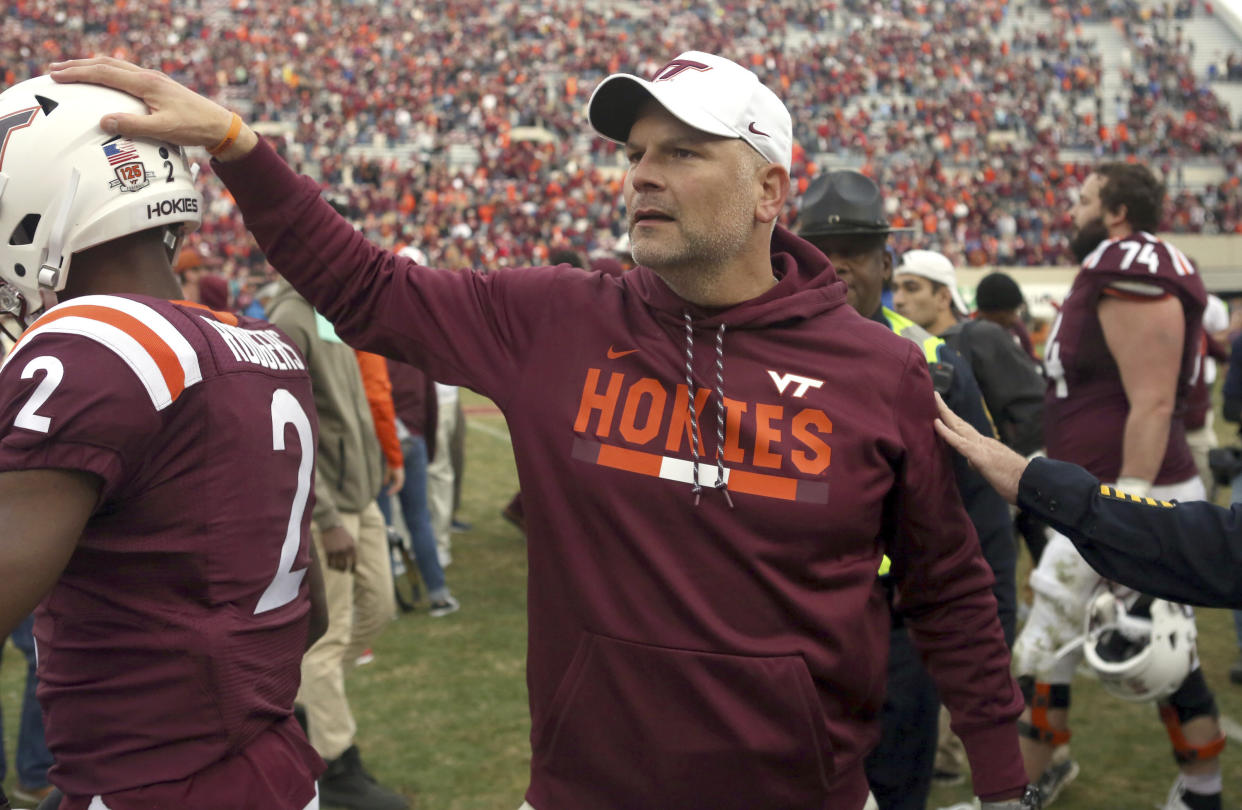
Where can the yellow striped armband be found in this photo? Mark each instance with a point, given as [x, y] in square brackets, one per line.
[1112, 493]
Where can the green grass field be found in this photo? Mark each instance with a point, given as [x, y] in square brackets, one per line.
[442, 710]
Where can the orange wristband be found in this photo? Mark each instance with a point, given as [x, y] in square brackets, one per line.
[234, 130]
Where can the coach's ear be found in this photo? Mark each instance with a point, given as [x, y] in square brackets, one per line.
[773, 193]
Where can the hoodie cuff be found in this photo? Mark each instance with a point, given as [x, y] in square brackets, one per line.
[252, 179]
[996, 761]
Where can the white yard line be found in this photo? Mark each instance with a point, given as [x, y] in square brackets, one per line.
[494, 432]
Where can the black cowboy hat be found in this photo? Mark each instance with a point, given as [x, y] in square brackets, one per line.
[843, 203]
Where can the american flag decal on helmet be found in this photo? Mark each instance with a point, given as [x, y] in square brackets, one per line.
[120, 150]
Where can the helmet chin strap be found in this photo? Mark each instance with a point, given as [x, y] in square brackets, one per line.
[50, 272]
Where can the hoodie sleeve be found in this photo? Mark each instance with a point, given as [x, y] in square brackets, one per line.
[944, 591]
[462, 327]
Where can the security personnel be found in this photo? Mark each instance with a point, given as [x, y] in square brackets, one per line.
[842, 214]
[1185, 552]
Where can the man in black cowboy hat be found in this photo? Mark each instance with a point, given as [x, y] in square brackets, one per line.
[842, 214]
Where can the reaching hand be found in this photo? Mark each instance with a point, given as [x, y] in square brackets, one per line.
[178, 115]
[1001, 466]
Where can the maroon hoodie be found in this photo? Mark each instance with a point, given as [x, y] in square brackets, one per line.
[722, 650]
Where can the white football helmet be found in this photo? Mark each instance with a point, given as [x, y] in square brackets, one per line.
[66, 185]
[1138, 657]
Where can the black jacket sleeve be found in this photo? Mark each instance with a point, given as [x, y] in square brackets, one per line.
[1185, 552]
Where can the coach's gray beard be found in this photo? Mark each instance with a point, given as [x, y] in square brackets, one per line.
[696, 264]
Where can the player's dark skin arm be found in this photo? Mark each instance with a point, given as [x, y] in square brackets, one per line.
[318, 600]
[43, 513]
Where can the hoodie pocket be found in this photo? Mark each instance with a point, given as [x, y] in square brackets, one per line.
[635, 725]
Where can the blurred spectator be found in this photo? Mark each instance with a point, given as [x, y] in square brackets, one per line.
[925, 285]
[1199, 417]
[33, 760]
[414, 396]
[998, 299]
[191, 268]
[213, 292]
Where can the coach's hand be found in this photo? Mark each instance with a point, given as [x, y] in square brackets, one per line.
[1001, 466]
[178, 115]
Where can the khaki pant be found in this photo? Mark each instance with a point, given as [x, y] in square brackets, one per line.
[440, 479]
[359, 605]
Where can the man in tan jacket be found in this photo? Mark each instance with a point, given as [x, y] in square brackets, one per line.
[350, 536]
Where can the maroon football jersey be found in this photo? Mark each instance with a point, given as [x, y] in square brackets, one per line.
[1085, 405]
[1199, 399]
[174, 637]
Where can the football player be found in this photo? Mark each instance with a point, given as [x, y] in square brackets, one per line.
[1119, 361]
[155, 473]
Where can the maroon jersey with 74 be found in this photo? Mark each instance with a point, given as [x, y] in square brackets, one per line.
[1085, 407]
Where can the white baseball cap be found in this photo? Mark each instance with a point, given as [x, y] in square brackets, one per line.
[705, 91]
[935, 267]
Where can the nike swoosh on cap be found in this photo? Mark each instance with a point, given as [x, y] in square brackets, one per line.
[613, 354]
[758, 131]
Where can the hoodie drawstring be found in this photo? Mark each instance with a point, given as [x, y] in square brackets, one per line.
[720, 484]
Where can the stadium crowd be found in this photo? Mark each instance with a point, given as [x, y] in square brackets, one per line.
[455, 130]
[456, 125]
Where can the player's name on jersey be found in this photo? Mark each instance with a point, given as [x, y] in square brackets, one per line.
[263, 347]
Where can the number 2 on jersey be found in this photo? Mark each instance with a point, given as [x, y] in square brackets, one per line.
[283, 588]
[53, 372]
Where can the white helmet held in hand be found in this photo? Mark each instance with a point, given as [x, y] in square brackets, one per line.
[1143, 651]
[66, 185]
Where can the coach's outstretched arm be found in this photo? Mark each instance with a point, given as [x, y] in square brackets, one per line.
[470, 329]
[1185, 552]
[178, 114]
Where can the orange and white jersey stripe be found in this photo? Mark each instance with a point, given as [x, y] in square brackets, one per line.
[160, 356]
